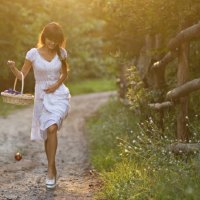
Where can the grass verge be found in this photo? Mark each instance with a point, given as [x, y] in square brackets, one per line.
[90, 86]
[134, 164]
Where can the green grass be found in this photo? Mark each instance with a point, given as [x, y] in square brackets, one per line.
[90, 86]
[104, 129]
[134, 165]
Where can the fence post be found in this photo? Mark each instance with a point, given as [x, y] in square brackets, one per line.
[182, 77]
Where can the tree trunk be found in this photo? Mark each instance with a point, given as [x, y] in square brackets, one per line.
[145, 58]
[182, 77]
[122, 82]
[154, 79]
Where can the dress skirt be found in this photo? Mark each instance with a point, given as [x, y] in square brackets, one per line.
[49, 109]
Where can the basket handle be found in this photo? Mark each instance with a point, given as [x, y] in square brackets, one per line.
[22, 87]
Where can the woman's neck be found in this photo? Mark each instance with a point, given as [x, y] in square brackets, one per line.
[48, 50]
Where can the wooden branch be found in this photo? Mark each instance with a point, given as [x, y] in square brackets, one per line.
[184, 89]
[160, 106]
[186, 148]
[184, 36]
[164, 61]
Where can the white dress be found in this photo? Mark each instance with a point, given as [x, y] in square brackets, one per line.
[49, 108]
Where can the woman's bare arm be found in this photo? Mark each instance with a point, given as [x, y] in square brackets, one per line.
[64, 73]
[25, 68]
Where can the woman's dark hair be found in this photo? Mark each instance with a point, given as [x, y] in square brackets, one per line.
[53, 31]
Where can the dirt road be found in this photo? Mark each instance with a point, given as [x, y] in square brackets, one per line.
[25, 179]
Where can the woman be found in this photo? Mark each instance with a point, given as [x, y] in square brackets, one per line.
[51, 103]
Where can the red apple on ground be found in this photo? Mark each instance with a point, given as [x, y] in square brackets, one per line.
[18, 156]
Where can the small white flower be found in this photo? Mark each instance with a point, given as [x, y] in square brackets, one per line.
[149, 141]
[151, 121]
[126, 150]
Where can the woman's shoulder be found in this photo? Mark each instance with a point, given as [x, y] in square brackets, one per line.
[34, 49]
[30, 55]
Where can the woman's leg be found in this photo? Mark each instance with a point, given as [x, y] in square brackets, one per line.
[50, 149]
[45, 146]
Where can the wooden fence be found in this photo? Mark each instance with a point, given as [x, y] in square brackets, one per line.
[152, 72]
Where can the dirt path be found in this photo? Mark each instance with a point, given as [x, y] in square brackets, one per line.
[25, 179]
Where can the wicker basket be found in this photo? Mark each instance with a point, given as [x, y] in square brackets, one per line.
[17, 99]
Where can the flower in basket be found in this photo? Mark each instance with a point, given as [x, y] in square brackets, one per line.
[11, 91]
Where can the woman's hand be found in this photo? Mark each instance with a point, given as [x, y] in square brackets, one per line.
[11, 64]
[51, 88]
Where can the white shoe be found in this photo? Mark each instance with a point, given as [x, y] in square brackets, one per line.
[50, 183]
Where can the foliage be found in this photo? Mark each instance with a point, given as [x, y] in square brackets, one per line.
[135, 163]
[129, 21]
[19, 21]
[136, 93]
